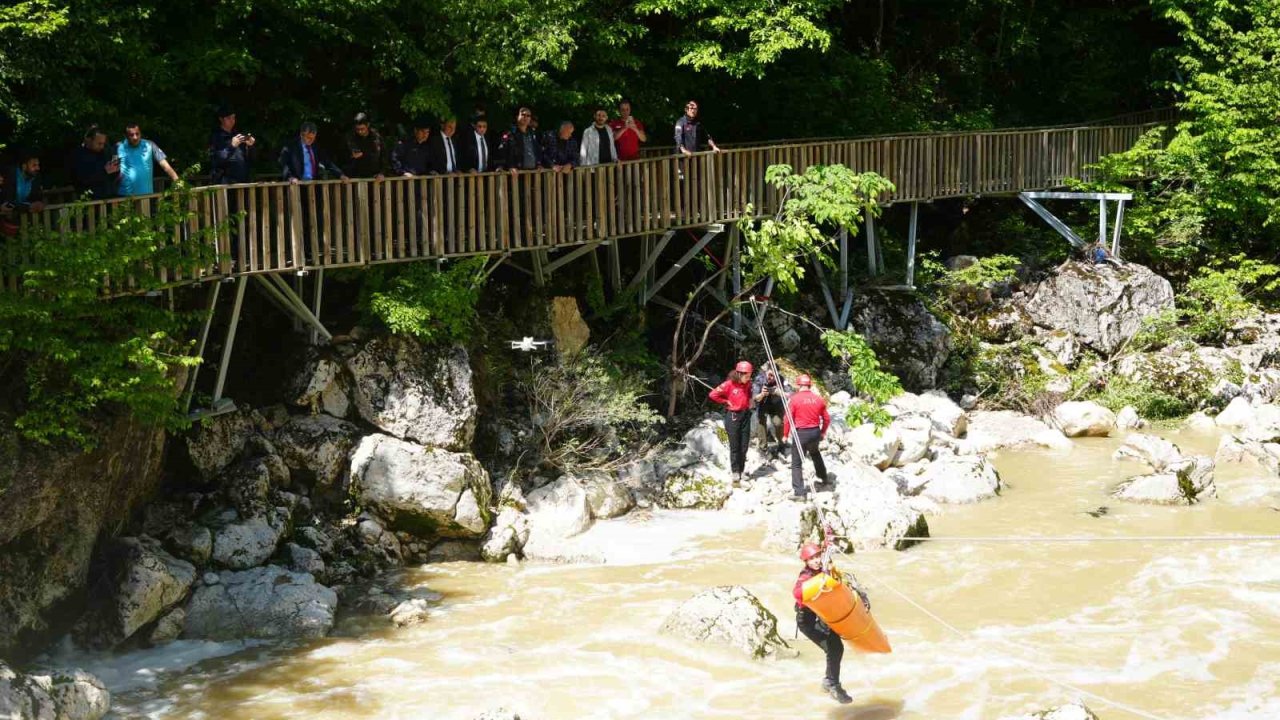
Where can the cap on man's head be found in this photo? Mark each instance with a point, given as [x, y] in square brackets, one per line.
[225, 110]
[362, 119]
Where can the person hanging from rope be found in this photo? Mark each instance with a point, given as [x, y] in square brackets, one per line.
[809, 412]
[735, 394]
[817, 631]
[766, 395]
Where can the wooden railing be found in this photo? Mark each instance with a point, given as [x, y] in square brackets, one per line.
[329, 224]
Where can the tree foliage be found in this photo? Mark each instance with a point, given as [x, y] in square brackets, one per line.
[874, 385]
[431, 304]
[78, 354]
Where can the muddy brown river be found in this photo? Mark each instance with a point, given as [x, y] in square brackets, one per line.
[1185, 630]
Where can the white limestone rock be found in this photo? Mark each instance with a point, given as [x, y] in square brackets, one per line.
[730, 616]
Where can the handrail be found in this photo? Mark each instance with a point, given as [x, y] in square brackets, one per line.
[278, 226]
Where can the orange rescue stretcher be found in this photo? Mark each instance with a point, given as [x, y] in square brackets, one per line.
[842, 610]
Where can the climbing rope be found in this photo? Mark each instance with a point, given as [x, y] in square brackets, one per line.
[1075, 538]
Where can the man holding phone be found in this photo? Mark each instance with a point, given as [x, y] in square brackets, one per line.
[628, 133]
[231, 151]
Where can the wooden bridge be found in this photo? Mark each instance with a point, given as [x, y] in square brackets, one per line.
[276, 230]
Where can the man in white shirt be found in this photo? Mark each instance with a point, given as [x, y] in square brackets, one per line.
[475, 153]
[444, 159]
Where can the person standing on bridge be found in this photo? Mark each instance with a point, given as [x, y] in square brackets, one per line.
[367, 154]
[409, 157]
[476, 153]
[137, 160]
[598, 147]
[444, 150]
[628, 133]
[230, 152]
[95, 170]
[691, 136]
[735, 395]
[21, 190]
[809, 412]
[561, 151]
[300, 160]
[519, 149]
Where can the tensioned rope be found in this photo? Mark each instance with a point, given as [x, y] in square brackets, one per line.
[1076, 538]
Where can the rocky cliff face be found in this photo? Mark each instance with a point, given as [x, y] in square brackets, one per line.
[54, 506]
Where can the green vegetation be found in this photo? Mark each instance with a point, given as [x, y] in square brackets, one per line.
[77, 355]
[431, 304]
[869, 380]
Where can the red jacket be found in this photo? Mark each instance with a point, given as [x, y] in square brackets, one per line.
[798, 590]
[734, 395]
[809, 410]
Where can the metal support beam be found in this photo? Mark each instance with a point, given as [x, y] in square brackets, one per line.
[651, 257]
[316, 299]
[569, 257]
[844, 263]
[1102, 222]
[210, 307]
[489, 270]
[539, 272]
[912, 227]
[615, 267]
[1053, 221]
[826, 290]
[736, 278]
[675, 268]
[871, 242]
[1115, 236]
[281, 290]
[241, 284]
[297, 290]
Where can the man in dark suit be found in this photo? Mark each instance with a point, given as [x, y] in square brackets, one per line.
[475, 150]
[301, 160]
[443, 158]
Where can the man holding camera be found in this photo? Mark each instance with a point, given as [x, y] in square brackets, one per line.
[231, 151]
[628, 133]
[766, 396]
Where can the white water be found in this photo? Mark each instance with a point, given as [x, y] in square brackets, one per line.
[1181, 631]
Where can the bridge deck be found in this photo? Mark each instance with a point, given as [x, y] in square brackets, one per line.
[332, 224]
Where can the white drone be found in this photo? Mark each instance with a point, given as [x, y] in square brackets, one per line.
[528, 344]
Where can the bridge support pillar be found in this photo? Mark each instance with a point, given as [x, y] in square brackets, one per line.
[214, 405]
[911, 244]
[1031, 199]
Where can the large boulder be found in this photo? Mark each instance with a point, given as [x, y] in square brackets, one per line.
[427, 491]
[321, 387]
[508, 535]
[60, 694]
[1185, 485]
[567, 326]
[414, 393]
[1237, 414]
[943, 414]
[874, 446]
[1157, 452]
[1103, 305]
[247, 542]
[317, 445]
[268, 603]
[728, 615]
[145, 581]
[701, 487]
[868, 512]
[790, 525]
[992, 430]
[607, 496]
[915, 433]
[219, 440]
[1083, 419]
[556, 512]
[959, 479]
[908, 339]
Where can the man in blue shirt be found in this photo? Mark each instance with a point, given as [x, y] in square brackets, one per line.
[22, 190]
[300, 160]
[137, 156]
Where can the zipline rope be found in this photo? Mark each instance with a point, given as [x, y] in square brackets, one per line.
[1078, 538]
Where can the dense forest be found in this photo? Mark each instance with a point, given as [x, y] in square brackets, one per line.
[789, 68]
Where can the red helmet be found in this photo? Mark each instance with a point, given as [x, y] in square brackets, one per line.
[809, 551]
[743, 367]
[804, 381]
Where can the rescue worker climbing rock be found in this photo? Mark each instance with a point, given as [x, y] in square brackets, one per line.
[817, 631]
[735, 394]
[809, 411]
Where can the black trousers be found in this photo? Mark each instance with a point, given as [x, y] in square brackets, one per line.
[818, 632]
[809, 439]
[737, 423]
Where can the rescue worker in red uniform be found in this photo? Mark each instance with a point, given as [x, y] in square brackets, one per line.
[735, 395]
[809, 412]
[817, 631]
